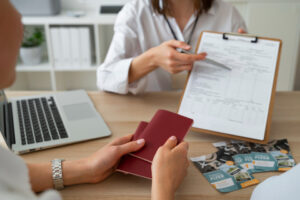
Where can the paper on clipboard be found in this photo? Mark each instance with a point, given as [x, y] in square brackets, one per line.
[236, 101]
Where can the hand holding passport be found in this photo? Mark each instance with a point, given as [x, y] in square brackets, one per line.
[163, 125]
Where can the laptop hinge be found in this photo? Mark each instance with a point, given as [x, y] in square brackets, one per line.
[11, 124]
[9, 131]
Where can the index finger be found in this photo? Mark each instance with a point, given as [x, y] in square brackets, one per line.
[122, 140]
[240, 30]
[188, 58]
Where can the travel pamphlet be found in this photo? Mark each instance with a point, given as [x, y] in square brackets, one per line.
[233, 165]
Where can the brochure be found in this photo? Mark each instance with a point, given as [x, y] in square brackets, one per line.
[223, 174]
[243, 158]
[232, 166]
[280, 150]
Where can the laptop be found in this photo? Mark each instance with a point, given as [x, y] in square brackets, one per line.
[44, 121]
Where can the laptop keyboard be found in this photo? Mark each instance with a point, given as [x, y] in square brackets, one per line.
[40, 121]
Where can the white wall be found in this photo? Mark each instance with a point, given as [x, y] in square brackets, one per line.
[297, 77]
[278, 19]
[272, 18]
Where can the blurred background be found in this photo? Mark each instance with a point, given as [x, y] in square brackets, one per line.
[66, 40]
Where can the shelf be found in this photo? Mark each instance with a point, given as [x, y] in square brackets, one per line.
[47, 68]
[46, 75]
[75, 69]
[64, 19]
[43, 67]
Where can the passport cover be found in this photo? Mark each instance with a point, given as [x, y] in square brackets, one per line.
[142, 126]
[135, 166]
[163, 125]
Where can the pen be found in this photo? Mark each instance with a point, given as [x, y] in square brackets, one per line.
[208, 60]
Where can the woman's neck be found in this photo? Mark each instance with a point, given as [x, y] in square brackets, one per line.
[182, 10]
[181, 7]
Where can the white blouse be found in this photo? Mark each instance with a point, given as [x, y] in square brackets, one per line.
[283, 187]
[138, 28]
[14, 180]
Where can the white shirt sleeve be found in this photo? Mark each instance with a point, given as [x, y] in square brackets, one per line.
[284, 186]
[237, 21]
[112, 75]
[14, 180]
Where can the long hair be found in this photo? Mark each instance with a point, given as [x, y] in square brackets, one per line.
[200, 6]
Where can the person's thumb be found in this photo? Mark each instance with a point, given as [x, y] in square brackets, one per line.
[131, 146]
[183, 146]
[179, 44]
[171, 142]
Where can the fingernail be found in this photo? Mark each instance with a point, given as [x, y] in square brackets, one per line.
[140, 141]
[187, 46]
[172, 138]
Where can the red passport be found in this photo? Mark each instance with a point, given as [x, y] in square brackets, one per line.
[163, 125]
[135, 166]
[142, 126]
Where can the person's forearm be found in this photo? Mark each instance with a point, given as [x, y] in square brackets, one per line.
[161, 191]
[141, 66]
[40, 176]
[74, 172]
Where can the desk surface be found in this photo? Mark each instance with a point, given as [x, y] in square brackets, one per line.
[123, 113]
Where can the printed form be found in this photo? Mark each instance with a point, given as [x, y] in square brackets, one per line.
[233, 101]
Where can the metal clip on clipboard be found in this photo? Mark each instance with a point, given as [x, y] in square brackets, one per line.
[255, 38]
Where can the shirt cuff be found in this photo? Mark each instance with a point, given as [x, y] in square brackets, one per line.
[138, 86]
[116, 80]
[135, 87]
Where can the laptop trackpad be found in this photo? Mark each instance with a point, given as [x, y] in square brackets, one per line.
[79, 111]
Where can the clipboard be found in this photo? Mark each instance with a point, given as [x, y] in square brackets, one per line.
[232, 37]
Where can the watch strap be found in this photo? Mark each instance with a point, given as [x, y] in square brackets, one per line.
[57, 174]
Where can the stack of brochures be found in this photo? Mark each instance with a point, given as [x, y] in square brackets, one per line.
[71, 47]
[232, 166]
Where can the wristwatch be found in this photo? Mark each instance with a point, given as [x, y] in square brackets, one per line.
[57, 175]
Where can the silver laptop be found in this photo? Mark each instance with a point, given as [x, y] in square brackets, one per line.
[38, 122]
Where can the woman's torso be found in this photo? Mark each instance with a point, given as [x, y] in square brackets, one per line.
[152, 30]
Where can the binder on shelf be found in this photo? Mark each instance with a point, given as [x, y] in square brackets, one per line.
[235, 103]
[85, 44]
[71, 47]
[66, 47]
[75, 47]
[56, 46]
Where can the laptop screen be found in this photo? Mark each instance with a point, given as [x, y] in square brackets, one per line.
[3, 103]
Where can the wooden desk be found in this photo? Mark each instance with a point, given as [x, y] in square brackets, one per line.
[123, 113]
